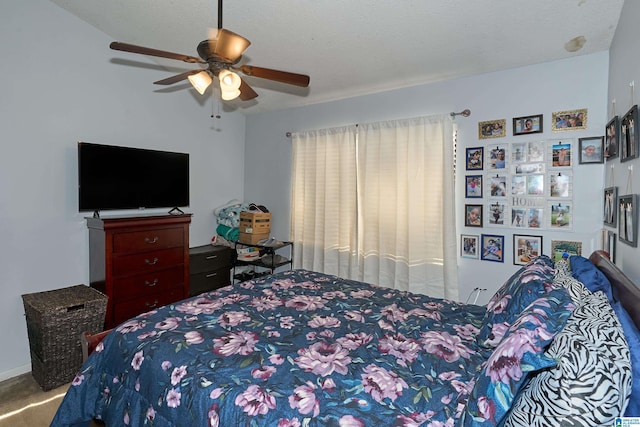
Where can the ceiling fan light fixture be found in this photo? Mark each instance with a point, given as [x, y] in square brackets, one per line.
[228, 95]
[200, 81]
[229, 80]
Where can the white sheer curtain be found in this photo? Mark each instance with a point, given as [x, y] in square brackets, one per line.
[323, 209]
[394, 224]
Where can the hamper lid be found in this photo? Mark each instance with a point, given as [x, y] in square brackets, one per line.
[61, 299]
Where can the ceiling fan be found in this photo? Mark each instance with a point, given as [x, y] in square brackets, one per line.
[221, 53]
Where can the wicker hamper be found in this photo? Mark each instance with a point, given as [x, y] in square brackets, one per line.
[55, 320]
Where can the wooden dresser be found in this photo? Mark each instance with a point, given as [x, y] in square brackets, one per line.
[139, 262]
[210, 268]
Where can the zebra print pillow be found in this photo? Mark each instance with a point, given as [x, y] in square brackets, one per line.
[576, 289]
[591, 384]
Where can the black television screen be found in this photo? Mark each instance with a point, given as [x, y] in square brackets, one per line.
[112, 177]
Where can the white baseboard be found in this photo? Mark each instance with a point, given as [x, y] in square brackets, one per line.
[15, 372]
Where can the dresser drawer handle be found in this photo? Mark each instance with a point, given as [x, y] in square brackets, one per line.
[212, 257]
[151, 284]
[151, 241]
[211, 275]
[151, 305]
[154, 262]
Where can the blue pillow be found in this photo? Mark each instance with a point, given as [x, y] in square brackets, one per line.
[587, 273]
[519, 354]
[632, 335]
[528, 284]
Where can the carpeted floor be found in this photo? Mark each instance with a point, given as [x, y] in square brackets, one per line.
[24, 404]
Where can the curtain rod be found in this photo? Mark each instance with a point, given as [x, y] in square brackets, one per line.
[463, 113]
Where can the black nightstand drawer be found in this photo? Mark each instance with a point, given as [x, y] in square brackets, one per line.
[209, 268]
[209, 258]
[208, 281]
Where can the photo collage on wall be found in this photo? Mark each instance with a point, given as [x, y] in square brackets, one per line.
[525, 183]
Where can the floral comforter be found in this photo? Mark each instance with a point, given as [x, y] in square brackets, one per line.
[293, 349]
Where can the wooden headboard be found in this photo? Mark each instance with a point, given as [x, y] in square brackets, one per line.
[624, 290]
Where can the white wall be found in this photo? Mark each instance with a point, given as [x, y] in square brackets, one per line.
[59, 86]
[579, 82]
[624, 68]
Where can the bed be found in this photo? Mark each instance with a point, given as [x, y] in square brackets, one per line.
[302, 348]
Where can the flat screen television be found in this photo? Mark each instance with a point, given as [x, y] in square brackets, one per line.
[112, 177]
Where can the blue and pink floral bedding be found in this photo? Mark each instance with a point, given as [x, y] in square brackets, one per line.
[298, 348]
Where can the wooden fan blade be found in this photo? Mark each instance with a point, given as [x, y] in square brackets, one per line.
[227, 45]
[246, 91]
[126, 47]
[175, 79]
[276, 75]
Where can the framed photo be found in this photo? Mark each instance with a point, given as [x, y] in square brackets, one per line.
[561, 216]
[629, 135]
[469, 246]
[560, 154]
[610, 210]
[535, 217]
[561, 185]
[569, 120]
[474, 158]
[497, 185]
[473, 215]
[560, 247]
[495, 212]
[492, 129]
[612, 138]
[526, 248]
[473, 186]
[591, 150]
[628, 219]
[492, 248]
[527, 124]
[608, 243]
[497, 156]
[519, 217]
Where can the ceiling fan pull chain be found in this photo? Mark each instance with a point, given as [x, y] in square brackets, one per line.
[213, 103]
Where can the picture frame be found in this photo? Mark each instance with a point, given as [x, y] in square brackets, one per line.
[560, 216]
[474, 158]
[496, 185]
[561, 153]
[609, 206]
[535, 217]
[612, 138]
[526, 125]
[608, 243]
[497, 157]
[496, 212]
[492, 248]
[473, 186]
[591, 150]
[560, 247]
[629, 135]
[469, 246]
[519, 217]
[526, 248]
[569, 120]
[561, 185]
[473, 215]
[628, 219]
[612, 246]
[492, 129]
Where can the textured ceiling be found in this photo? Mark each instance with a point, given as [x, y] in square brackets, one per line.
[355, 47]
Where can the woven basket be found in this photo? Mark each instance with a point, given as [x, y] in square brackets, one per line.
[55, 320]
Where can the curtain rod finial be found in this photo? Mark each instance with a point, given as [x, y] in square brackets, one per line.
[463, 113]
